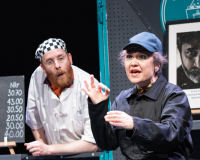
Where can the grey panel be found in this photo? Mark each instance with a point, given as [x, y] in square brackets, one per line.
[91, 156]
[150, 12]
[196, 125]
[13, 157]
[122, 23]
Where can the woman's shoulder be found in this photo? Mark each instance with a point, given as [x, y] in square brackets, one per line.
[171, 89]
[124, 94]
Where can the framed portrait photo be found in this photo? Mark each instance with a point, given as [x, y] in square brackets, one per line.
[184, 57]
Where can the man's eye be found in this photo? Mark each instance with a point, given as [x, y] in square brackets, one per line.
[50, 62]
[61, 58]
[191, 54]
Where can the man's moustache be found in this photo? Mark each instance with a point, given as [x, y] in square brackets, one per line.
[59, 72]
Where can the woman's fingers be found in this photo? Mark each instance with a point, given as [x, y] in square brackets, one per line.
[115, 112]
[115, 116]
[116, 124]
[86, 91]
[102, 86]
[107, 91]
[92, 81]
[87, 85]
[119, 118]
[92, 85]
[95, 92]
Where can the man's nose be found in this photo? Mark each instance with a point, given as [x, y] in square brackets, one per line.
[197, 61]
[57, 64]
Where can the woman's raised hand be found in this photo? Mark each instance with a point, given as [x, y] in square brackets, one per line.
[95, 92]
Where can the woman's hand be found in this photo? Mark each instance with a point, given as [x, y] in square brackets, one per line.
[119, 118]
[95, 92]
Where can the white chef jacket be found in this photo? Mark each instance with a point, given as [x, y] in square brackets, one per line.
[64, 119]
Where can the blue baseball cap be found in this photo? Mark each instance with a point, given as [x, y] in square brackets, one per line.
[147, 40]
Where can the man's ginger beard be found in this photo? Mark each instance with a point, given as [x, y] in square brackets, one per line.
[65, 81]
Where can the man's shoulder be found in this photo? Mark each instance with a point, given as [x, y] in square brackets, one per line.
[79, 70]
[38, 70]
[38, 75]
[83, 75]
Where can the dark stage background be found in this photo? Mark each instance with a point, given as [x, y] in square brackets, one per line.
[26, 24]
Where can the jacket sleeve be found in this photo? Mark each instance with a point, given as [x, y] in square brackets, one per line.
[103, 132]
[174, 127]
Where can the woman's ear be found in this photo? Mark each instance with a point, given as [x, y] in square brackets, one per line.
[157, 68]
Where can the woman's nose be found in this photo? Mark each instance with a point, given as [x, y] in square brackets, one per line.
[134, 62]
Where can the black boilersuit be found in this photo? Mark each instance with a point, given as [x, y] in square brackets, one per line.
[162, 123]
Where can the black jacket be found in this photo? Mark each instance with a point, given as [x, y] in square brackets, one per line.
[162, 123]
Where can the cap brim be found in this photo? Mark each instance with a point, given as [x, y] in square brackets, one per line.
[149, 48]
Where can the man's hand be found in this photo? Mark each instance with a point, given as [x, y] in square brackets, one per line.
[95, 92]
[119, 118]
[38, 148]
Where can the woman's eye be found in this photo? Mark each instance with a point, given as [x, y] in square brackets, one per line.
[142, 57]
[129, 56]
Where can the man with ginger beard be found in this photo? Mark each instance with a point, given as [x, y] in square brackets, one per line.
[57, 108]
[188, 74]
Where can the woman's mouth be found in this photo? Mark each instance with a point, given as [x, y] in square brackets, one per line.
[135, 72]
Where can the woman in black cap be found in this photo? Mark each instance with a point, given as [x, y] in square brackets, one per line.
[152, 120]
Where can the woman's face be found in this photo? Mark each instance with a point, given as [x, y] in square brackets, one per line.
[140, 68]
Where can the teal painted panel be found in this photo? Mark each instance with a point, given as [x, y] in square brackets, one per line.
[103, 56]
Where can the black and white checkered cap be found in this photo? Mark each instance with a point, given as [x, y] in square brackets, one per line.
[50, 44]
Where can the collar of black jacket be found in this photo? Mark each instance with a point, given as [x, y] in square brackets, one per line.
[154, 91]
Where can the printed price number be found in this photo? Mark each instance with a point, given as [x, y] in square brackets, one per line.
[14, 92]
[17, 117]
[12, 134]
[12, 125]
[14, 109]
[17, 101]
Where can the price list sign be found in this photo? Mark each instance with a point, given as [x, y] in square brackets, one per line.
[12, 108]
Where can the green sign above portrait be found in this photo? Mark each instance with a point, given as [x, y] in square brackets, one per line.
[171, 10]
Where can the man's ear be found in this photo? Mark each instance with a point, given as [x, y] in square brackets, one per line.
[43, 68]
[70, 58]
